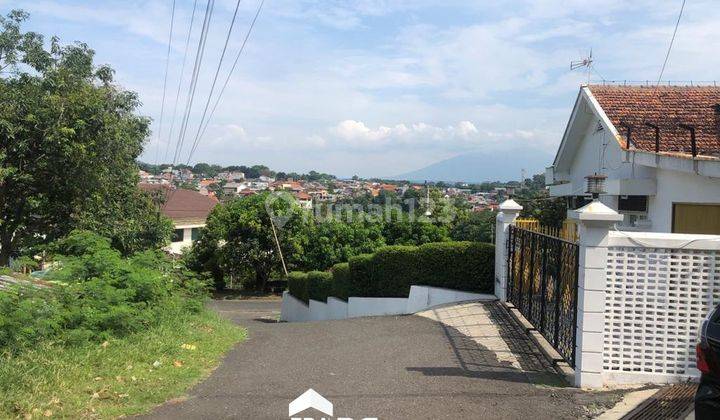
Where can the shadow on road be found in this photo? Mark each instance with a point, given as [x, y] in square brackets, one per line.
[499, 349]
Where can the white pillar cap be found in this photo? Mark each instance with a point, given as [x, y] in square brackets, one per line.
[595, 211]
[510, 206]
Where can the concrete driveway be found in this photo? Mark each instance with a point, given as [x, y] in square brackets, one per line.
[404, 367]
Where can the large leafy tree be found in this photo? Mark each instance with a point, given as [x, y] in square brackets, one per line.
[238, 241]
[69, 140]
[334, 241]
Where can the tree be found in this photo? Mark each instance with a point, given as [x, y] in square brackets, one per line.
[239, 242]
[206, 169]
[69, 140]
[473, 226]
[333, 241]
[403, 229]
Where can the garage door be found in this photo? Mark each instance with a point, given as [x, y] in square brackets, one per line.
[696, 218]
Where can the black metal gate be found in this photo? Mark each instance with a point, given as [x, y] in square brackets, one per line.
[543, 285]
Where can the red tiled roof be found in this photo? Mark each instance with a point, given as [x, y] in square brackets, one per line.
[181, 204]
[667, 107]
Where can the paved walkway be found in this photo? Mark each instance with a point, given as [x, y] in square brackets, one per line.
[474, 364]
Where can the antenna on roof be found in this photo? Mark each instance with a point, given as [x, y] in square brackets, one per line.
[585, 62]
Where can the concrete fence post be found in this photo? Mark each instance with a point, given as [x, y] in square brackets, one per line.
[508, 211]
[594, 223]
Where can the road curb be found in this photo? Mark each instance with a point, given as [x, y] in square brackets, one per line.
[558, 363]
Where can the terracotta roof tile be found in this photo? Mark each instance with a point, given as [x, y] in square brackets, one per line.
[667, 107]
[181, 204]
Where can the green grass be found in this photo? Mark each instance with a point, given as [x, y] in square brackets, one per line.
[118, 377]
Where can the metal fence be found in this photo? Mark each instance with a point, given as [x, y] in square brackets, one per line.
[543, 285]
[568, 231]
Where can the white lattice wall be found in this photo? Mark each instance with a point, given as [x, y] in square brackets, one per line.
[654, 303]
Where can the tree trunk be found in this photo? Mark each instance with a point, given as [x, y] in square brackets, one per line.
[5, 250]
[261, 278]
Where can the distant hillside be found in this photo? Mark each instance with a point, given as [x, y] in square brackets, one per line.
[483, 166]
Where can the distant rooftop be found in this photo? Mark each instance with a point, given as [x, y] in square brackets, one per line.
[182, 205]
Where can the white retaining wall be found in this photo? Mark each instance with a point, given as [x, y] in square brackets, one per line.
[419, 299]
[364, 306]
[293, 308]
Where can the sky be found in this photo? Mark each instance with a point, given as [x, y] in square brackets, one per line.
[379, 87]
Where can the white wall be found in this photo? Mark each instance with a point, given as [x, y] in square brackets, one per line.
[599, 152]
[178, 247]
[658, 288]
[419, 299]
[679, 187]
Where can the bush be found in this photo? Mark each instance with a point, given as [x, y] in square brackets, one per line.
[97, 295]
[319, 284]
[340, 281]
[297, 285]
[361, 275]
[467, 266]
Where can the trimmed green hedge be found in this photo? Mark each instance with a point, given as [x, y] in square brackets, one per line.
[315, 285]
[341, 281]
[319, 284]
[297, 285]
[390, 272]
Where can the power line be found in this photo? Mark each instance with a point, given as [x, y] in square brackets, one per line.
[182, 71]
[667, 56]
[217, 72]
[199, 54]
[227, 79]
[167, 66]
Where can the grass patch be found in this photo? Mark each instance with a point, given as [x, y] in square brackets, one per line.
[118, 377]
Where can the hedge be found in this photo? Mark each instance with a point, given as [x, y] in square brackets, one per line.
[319, 284]
[315, 285]
[390, 272]
[341, 281]
[297, 285]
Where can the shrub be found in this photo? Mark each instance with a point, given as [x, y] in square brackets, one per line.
[340, 281]
[468, 266]
[319, 284]
[297, 285]
[24, 264]
[361, 276]
[97, 295]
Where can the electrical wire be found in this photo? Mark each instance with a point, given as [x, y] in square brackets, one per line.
[199, 55]
[227, 79]
[667, 56]
[664, 245]
[167, 66]
[217, 73]
[180, 80]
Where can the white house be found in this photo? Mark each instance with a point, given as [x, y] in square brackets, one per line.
[188, 211]
[659, 148]
[234, 188]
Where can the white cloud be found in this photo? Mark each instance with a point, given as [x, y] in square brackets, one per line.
[328, 84]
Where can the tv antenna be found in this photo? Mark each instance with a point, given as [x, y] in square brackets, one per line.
[586, 62]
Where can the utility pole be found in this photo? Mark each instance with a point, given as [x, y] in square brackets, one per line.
[277, 242]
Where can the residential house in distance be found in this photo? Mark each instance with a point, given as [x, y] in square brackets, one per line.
[304, 200]
[231, 176]
[234, 188]
[659, 148]
[188, 211]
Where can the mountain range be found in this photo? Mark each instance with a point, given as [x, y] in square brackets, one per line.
[477, 167]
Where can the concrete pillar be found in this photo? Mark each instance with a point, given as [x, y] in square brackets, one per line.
[594, 223]
[507, 213]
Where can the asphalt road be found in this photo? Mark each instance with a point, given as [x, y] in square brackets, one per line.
[403, 367]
